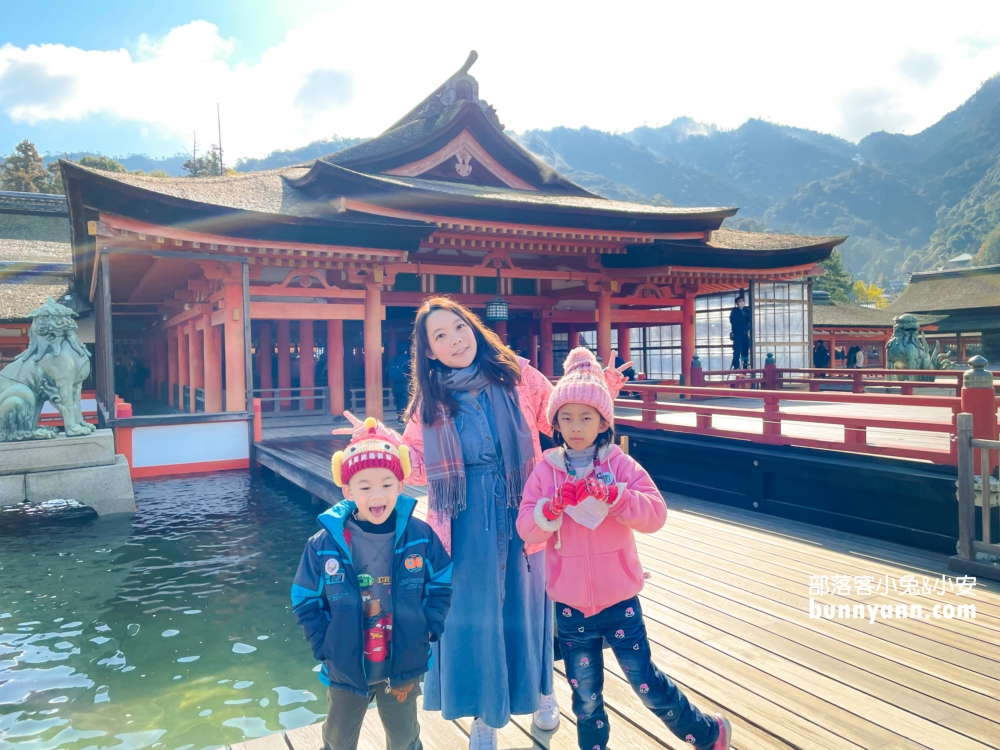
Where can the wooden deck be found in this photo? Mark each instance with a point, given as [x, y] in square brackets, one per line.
[727, 611]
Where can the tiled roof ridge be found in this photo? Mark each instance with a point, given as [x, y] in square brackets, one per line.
[989, 270]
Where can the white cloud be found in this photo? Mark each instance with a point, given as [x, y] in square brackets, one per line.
[541, 65]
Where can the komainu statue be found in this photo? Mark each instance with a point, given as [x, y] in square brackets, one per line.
[52, 369]
[908, 350]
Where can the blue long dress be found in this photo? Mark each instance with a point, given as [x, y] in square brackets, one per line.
[495, 657]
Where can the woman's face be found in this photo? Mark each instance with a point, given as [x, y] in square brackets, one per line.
[452, 340]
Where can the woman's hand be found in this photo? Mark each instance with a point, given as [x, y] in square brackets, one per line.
[624, 367]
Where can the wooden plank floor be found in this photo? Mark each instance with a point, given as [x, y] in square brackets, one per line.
[727, 611]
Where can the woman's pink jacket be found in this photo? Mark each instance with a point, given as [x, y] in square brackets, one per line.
[590, 570]
[534, 392]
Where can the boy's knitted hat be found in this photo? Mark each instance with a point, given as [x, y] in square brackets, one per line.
[582, 383]
[372, 446]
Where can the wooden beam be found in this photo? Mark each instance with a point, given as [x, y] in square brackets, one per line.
[206, 241]
[306, 311]
[185, 315]
[314, 292]
[646, 317]
[419, 267]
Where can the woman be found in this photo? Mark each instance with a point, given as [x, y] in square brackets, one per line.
[474, 418]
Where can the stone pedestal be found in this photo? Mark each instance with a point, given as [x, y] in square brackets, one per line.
[84, 469]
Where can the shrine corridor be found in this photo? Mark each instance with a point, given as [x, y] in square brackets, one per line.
[727, 611]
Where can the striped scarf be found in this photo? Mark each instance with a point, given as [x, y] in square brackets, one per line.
[443, 447]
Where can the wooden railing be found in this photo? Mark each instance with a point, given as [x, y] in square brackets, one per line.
[315, 400]
[912, 427]
[358, 400]
[814, 379]
[973, 546]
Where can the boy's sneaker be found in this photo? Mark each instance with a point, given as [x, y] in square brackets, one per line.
[547, 715]
[482, 737]
[725, 733]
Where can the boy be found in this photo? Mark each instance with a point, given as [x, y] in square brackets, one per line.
[371, 592]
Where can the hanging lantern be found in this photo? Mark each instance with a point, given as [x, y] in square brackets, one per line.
[496, 308]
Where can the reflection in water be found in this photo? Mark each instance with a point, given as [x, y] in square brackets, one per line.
[129, 633]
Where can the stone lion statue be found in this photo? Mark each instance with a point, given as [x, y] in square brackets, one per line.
[908, 349]
[52, 369]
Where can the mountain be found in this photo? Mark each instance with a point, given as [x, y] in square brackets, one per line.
[908, 202]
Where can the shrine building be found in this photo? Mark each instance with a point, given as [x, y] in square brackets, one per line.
[301, 283]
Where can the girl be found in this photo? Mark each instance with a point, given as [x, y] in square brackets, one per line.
[474, 419]
[584, 500]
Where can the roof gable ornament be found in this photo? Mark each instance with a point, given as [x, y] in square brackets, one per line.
[459, 87]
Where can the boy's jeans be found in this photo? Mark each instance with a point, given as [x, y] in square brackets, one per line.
[397, 709]
[580, 639]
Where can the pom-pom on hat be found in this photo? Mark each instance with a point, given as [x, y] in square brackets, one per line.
[582, 383]
[372, 446]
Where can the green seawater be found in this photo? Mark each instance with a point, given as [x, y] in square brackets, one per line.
[169, 629]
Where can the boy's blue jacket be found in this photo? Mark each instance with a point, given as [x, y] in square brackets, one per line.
[326, 599]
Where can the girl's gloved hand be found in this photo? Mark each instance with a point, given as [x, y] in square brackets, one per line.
[566, 495]
[597, 489]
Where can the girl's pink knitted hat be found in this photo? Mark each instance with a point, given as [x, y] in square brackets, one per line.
[582, 383]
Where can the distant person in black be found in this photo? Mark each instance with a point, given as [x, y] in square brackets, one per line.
[739, 322]
[821, 356]
[399, 379]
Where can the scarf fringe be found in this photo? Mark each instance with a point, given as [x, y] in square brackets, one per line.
[447, 496]
[516, 479]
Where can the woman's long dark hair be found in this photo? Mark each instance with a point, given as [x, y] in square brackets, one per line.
[497, 362]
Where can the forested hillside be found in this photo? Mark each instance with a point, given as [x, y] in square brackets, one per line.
[907, 202]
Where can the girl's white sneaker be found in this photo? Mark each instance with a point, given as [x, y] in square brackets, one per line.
[547, 715]
[482, 737]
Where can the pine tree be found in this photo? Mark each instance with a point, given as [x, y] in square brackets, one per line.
[24, 171]
[105, 163]
[837, 281]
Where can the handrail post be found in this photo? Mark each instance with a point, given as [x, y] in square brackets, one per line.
[966, 485]
[649, 415]
[697, 374]
[770, 373]
[857, 386]
[979, 400]
[772, 415]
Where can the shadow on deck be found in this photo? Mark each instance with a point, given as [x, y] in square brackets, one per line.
[727, 610]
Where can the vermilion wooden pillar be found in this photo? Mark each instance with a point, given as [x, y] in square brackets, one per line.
[533, 344]
[373, 350]
[212, 340]
[624, 343]
[284, 362]
[687, 337]
[604, 329]
[307, 362]
[196, 362]
[500, 326]
[335, 364]
[265, 353]
[171, 337]
[573, 337]
[236, 360]
[545, 359]
[183, 368]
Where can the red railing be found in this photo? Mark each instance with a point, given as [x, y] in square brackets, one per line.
[771, 377]
[902, 426]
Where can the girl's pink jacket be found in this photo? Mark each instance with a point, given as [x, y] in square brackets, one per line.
[592, 570]
[534, 392]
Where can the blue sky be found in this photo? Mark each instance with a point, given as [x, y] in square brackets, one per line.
[139, 77]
